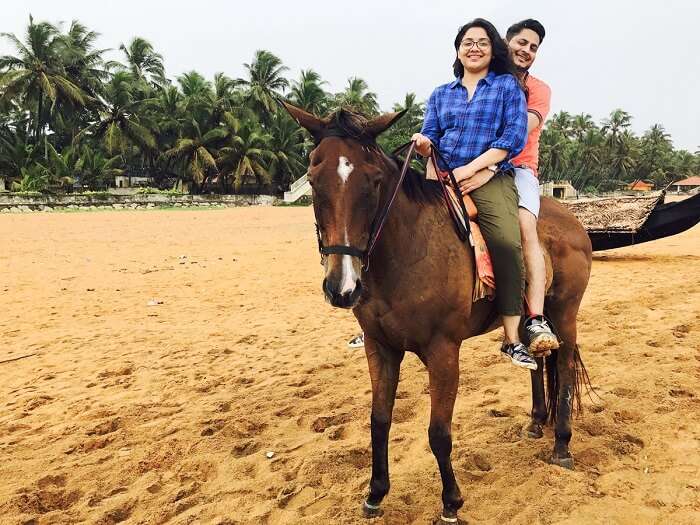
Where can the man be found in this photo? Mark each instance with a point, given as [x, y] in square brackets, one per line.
[524, 39]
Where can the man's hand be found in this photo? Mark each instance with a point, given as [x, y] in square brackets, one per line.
[422, 144]
[477, 180]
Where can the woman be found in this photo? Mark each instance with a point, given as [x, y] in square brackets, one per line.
[478, 123]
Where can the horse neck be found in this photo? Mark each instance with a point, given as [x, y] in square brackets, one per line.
[398, 234]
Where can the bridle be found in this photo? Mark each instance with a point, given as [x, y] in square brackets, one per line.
[380, 218]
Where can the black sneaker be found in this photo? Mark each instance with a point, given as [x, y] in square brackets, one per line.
[541, 339]
[519, 356]
[357, 342]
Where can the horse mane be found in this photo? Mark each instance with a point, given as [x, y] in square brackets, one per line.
[346, 123]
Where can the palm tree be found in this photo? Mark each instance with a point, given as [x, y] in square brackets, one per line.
[96, 171]
[84, 64]
[265, 83]
[553, 159]
[197, 154]
[119, 125]
[143, 61]
[198, 94]
[308, 93]
[16, 152]
[581, 124]
[655, 153]
[287, 143]
[561, 122]
[357, 97]
[36, 73]
[623, 160]
[410, 123]
[248, 154]
[614, 127]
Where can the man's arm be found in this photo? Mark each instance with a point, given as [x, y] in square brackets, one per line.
[533, 121]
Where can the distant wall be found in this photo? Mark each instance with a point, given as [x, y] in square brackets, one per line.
[10, 203]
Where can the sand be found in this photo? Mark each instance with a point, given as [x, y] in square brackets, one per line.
[166, 413]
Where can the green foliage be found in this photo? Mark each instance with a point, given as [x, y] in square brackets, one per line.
[608, 157]
[147, 190]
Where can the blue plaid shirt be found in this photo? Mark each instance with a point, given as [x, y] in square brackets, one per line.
[496, 117]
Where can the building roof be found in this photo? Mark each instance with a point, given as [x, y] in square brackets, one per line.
[640, 185]
[690, 181]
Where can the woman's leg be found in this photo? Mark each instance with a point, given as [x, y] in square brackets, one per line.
[497, 202]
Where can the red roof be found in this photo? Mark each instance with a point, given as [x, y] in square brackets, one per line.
[690, 181]
[640, 185]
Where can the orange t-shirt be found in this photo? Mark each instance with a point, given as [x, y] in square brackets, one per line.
[538, 103]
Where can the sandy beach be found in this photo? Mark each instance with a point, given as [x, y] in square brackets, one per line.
[170, 353]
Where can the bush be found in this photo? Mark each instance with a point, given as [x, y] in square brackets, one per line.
[147, 190]
[304, 200]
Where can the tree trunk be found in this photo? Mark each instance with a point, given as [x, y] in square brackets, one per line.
[39, 111]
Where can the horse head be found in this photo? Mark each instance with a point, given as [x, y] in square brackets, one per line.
[348, 174]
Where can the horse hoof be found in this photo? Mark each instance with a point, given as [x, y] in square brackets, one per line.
[370, 511]
[534, 431]
[447, 516]
[567, 463]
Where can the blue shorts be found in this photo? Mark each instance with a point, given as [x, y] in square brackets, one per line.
[528, 190]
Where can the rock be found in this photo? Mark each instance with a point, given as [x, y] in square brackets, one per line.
[117, 206]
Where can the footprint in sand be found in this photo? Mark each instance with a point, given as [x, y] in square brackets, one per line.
[106, 427]
[37, 401]
[245, 448]
[680, 392]
[626, 444]
[48, 494]
[321, 423]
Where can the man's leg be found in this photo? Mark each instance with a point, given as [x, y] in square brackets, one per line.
[534, 262]
[541, 340]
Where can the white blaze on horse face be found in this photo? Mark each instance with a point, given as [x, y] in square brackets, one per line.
[345, 168]
[348, 277]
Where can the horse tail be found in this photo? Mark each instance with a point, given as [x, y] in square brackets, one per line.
[552, 385]
[582, 381]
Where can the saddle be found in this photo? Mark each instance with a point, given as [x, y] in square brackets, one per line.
[484, 279]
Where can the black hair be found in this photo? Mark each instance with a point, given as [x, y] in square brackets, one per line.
[500, 63]
[530, 23]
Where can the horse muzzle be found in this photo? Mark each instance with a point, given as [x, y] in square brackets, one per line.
[342, 297]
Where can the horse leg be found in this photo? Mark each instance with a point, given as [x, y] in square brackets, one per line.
[538, 416]
[566, 379]
[384, 365]
[442, 360]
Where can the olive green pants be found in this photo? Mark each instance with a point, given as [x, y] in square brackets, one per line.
[497, 204]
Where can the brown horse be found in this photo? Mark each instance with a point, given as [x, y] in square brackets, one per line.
[414, 293]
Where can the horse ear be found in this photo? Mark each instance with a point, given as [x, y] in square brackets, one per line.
[311, 123]
[380, 124]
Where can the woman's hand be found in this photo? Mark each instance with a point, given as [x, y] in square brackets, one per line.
[463, 173]
[422, 144]
[477, 180]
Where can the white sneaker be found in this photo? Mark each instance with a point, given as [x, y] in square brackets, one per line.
[357, 341]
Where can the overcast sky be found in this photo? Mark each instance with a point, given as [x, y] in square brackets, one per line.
[638, 55]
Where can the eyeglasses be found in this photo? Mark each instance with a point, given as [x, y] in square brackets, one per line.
[482, 44]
